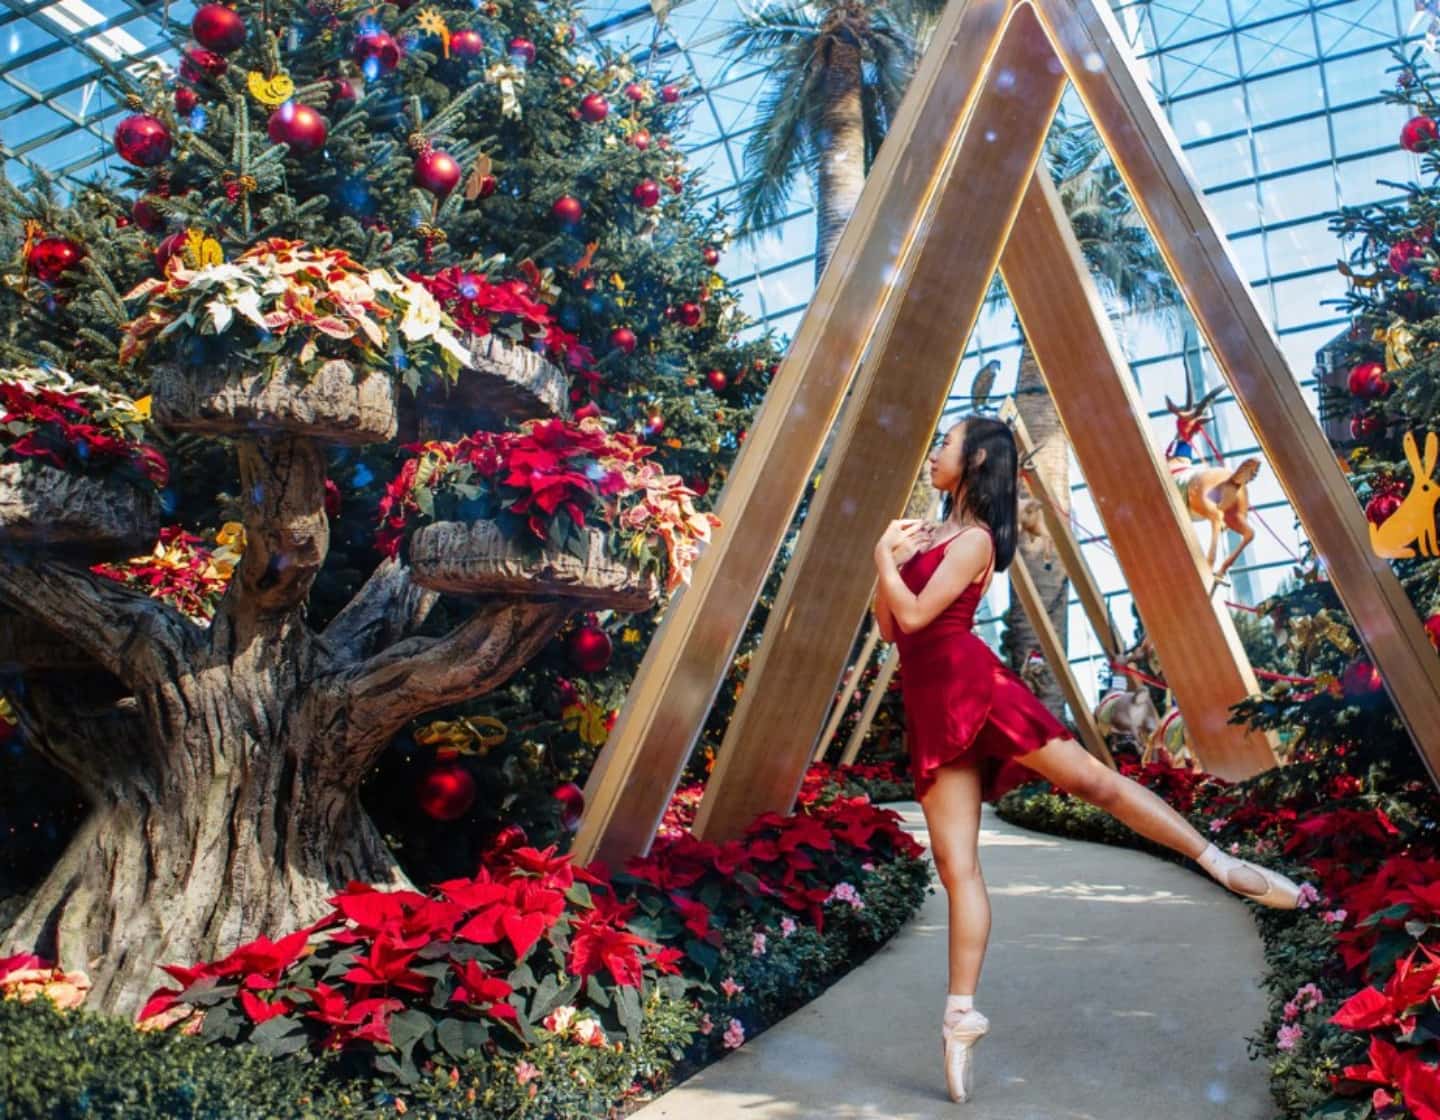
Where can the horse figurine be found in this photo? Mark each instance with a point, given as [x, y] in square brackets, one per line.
[1213, 494]
[1131, 714]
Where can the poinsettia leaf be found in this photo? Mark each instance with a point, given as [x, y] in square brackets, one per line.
[579, 894]
[706, 956]
[628, 1006]
[542, 1002]
[458, 1037]
[1388, 949]
[280, 1036]
[522, 977]
[221, 1024]
[407, 1027]
[1341, 1109]
[425, 499]
[1398, 910]
[749, 881]
[595, 991]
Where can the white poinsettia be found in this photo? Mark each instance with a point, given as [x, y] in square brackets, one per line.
[422, 317]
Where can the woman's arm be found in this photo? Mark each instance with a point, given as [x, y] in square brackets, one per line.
[884, 616]
[964, 559]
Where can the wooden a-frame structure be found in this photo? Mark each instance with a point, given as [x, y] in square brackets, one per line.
[956, 190]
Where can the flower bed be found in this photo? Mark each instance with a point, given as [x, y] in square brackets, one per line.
[1354, 972]
[538, 987]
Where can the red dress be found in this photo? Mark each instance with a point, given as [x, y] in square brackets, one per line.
[962, 703]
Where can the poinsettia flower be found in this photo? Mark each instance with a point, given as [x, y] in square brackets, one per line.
[482, 989]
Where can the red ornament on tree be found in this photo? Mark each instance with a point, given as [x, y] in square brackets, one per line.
[568, 209]
[343, 93]
[380, 46]
[717, 380]
[146, 216]
[1365, 426]
[197, 64]
[654, 423]
[675, 183]
[522, 48]
[487, 186]
[185, 100]
[467, 43]
[1404, 255]
[712, 255]
[635, 91]
[1367, 381]
[173, 244]
[218, 28]
[594, 108]
[690, 314]
[332, 499]
[299, 126]
[623, 338]
[646, 194]
[670, 94]
[51, 256]
[640, 139]
[447, 792]
[1418, 134]
[589, 649]
[572, 805]
[1381, 507]
[1361, 679]
[1432, 630]
[142, 140]
[699, 485]
[437, 172]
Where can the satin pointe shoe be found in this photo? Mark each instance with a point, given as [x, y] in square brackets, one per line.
[959, 1040]
[1279, 893]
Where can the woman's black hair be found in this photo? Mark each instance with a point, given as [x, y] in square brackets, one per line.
[991, 488]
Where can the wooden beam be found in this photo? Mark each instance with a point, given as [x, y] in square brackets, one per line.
[686, 662]
[852, 677]
[899, 396]
[872, 705]
[1148, 156]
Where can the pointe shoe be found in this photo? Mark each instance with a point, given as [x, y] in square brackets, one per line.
[959, 1040]
[1280, 893]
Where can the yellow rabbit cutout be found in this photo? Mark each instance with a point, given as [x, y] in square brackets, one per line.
[1414, 521]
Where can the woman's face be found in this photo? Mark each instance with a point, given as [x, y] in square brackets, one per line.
[945, 458]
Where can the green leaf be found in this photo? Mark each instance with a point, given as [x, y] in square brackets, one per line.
[595, 991]
[579, 894]
[628, 1006]
[522, 977]
[220, 1025]
[459, 1036]
[279, 1036]
[406, 1027]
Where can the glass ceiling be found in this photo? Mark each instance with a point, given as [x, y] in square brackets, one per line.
[1276, 103]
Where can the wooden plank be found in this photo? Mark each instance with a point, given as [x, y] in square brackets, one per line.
[1022, 585]
[687, 659]
[872, 705]
[1148, 156]
[1067, 548]
[1064, 320]
[899, 396]
[852, 675]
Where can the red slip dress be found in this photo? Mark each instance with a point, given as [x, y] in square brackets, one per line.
[962, 703]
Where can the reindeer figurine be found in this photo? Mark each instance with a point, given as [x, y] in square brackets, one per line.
[1032, 512]
[1213, 494]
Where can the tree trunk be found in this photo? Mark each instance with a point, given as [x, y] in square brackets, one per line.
[1052, 463]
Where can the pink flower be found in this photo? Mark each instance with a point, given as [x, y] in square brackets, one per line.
[867, 866]
[1218, 823]
[706, 1026]
[844, 892]
[1288, 1036]
[560, 1019]
[590, 1032]
[787, 925]
[1235, 848]
[729, 987]
[1308, 894]
[734, 1034]
[1291, 1010]
[1308, 996]
[525, 1072]
[1336, 916]
[757, 945]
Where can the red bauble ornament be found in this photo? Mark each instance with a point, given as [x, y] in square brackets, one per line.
[343, 93]
[488, 183]
[185, 100]
[568, 209]
[640, 139]
[670, 94]
[589, 649]
[1365, 426]
[690, 314]
[594, 108]
[646, 194]
[467, 43]
[1403, 256]
[173, 244]
[699, 485]
[654, 424]
[142, 140]
[197, 64]
[664, 143]
[51, 256]
[437, 172]
[332, 499]
[1361, 679]
[146, 216]
[1367, 381]
[299, 126]
[1418, 134]
[522, 48]
[567, 82]
[446, 793]
[218, 28]
[379, 45]
[623, 338]
[1432, 630]
[717, 380]
[635, 91]
[712, 255]
[1381, 507]
[572, 805]
[675, 183]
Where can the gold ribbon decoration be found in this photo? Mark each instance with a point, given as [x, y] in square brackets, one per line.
[1398, 339]
[466, 735]
[588, 721]
[433, 22]
[270, 92]
[510, 79]
[202, 251]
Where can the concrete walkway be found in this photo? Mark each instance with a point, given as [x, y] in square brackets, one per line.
[1118, 987]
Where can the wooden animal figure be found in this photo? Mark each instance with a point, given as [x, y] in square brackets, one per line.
[1131, 714]
[1032, 514]
[1213, 494]
[1170, 743]
[1414, 522]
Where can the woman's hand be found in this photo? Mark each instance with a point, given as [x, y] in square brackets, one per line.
[902, 539]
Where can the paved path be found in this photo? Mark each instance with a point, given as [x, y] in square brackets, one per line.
[1118, 987]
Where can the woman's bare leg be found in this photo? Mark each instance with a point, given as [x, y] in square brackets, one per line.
[952, 813]
[1075, 770]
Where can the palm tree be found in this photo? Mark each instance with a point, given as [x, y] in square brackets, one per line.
[1131, 276]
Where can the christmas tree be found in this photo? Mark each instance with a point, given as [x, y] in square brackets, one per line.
[405, 323]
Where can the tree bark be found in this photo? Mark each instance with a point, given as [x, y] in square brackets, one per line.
[1052, 463]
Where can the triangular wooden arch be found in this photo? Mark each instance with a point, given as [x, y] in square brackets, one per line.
[953, 194]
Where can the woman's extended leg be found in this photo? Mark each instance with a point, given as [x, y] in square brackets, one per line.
[952, 813]
[1078, 772]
